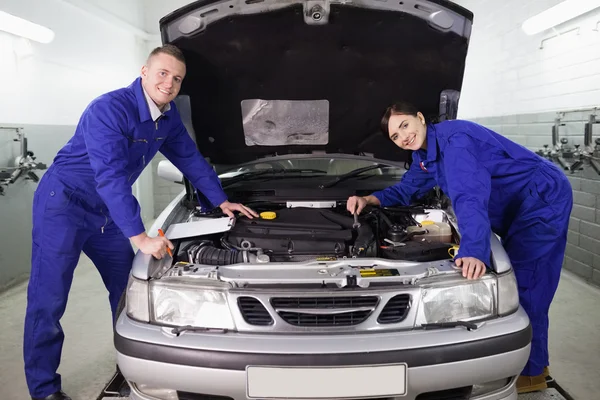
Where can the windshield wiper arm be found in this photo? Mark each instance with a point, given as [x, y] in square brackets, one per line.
[349, 175]
[438, 325]
[255, 174]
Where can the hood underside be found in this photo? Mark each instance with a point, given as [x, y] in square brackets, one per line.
[280, 77]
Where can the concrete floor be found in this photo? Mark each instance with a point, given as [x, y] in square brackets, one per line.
[89, 360]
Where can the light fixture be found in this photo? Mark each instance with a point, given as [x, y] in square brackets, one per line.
[558, 14]
[21, 27]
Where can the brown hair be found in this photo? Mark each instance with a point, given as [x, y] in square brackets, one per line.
[400, 107]
[170, 50]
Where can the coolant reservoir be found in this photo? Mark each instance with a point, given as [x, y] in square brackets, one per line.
[436, 231]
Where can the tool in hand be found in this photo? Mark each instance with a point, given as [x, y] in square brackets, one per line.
[161, 233]
[356, 224]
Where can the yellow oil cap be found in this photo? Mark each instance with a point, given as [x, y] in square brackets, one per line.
[427, 223]
[268, 215]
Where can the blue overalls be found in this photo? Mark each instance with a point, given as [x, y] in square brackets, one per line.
[497, 185]
[84, 202]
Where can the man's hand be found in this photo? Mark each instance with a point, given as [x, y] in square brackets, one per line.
[228, 208]
[157, 246]
[357, 203]
[472, 268]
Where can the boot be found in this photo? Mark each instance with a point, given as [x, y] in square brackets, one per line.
[546, 372]
[60, 395]
[527, 384]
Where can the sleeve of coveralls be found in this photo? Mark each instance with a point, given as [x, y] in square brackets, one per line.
[469, 187]
[413, 184]
[108, 150]
[181, 150]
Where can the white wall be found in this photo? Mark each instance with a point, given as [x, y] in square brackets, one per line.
[508, 73]
[52, 83]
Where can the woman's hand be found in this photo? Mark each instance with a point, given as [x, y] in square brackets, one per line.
[357, 203]
[472, 268]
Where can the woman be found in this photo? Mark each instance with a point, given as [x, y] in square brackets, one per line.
[495, 185]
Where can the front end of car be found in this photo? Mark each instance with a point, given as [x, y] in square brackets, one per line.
[305, 302]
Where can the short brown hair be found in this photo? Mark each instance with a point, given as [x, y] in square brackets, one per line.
[170, 50]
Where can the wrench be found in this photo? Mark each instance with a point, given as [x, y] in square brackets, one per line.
[356, 224]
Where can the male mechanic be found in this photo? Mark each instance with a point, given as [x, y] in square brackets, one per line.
[84, 202]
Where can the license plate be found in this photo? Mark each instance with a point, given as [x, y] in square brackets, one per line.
[326, 383]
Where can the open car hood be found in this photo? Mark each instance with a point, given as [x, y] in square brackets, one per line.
[269, 77]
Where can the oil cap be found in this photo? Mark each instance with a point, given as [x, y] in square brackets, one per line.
[268, 215]
[427, 222]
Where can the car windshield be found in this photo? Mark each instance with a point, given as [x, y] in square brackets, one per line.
[321, 166]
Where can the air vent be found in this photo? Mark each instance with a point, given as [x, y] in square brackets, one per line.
[254, 312]
[324, 311]
[324, 302]
[395, 310]
[342, 319]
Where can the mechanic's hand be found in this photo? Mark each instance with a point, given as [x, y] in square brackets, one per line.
[355, 204]
[228, 208]
[472, 268]
[157, 246]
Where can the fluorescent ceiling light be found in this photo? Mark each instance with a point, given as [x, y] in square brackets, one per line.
[558, 14]
[21, 27]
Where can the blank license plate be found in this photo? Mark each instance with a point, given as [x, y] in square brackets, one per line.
[326, 383]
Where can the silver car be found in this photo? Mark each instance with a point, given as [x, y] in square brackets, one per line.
[306, 302]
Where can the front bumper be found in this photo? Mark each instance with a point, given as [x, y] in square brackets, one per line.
[215, 364]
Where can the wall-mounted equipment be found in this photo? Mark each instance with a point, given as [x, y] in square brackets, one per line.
[21, 27]
[558, 14]
[592, 154]
[25, 163]
[562, 152]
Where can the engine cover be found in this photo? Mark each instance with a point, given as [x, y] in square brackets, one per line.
[293, 232]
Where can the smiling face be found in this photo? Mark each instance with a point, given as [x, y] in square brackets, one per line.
[161, 78]
[408, 132]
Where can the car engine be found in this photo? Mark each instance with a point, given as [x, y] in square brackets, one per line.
[323, 234]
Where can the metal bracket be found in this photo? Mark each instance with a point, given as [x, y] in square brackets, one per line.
[316, 12]
[24, 164]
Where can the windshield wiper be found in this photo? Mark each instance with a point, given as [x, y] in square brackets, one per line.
[438, 325]
[255, 174]
[349, 175]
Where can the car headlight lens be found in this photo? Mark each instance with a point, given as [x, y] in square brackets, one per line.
[508, 294]
[137, 300]
[183, 305]
[460, 301]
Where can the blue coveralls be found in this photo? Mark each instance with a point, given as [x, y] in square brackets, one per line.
[84, 202]
[497, 185]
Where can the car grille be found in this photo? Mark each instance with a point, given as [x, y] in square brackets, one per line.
[324, 311]
[395, 310]
[254, 312]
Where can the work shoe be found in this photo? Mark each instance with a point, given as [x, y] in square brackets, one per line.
[546, 372]
[527, 384]
[60, 395]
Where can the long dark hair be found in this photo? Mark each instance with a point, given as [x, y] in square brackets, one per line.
[400, 107]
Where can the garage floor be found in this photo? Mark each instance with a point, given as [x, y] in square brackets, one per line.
[89, 359]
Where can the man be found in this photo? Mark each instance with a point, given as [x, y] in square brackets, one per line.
[84, 202]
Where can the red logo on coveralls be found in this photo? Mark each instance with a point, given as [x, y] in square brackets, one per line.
[423, 166]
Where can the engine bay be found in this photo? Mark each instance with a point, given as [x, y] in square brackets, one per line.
[300, 234]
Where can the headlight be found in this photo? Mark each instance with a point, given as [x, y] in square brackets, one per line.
[508, 294]
[462, 300]
[182, 305]
[137, 300]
